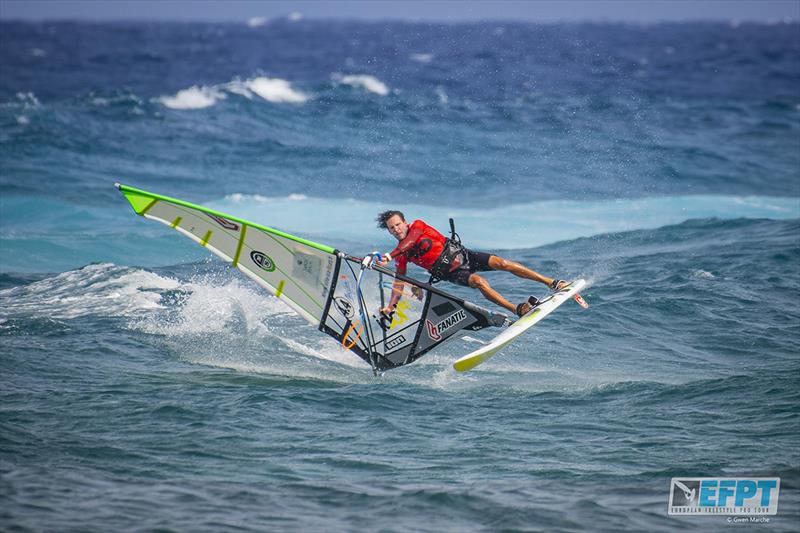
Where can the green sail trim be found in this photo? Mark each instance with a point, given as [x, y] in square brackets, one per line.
[140, 201]
[242, 235]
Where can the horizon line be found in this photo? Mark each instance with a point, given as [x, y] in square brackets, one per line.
[434, 20]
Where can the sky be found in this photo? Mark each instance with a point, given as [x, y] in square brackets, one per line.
[427, 10]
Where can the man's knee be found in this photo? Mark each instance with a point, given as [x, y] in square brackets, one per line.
[498, 263]
[477, 282]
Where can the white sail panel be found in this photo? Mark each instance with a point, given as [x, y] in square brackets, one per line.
[297, 271]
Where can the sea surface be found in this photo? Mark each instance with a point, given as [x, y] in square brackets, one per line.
[145, 386]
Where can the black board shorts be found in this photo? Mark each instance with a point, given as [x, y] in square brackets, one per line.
[476, 262]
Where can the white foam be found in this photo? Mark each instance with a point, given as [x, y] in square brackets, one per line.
[238, 87]
[28, 100]
[266, 364]
[275, 90]
[240, 198]
[363, 81]
[101, 289]
[257, 22]
[225, 321]
[101, 101]
[421, 58]
[443, 99]
[23, 120]
[329, 350]
[38, 52]
[195, 97]
[295, 16]
[216, 304]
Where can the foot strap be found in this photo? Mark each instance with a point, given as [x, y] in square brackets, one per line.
[532, 301]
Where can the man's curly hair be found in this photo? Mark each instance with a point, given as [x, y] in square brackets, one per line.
[386, 215]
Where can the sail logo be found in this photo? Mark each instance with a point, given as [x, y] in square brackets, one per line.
[262, 260]
[227, 224]
[397, 341]
[724, 496]
[344, 306]
[435, 331]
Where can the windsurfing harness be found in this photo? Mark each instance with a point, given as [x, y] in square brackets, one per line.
[330, 289]
[453, 256]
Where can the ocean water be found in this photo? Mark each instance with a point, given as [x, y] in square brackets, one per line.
[145, 386]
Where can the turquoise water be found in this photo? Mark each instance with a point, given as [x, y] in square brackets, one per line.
[147, 386]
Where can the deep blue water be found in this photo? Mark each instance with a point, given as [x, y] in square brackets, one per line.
[145, 386]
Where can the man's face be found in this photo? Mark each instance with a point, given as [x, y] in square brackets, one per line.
[397, 227]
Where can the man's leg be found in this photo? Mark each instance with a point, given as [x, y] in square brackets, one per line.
[477, 282]
[519, 270]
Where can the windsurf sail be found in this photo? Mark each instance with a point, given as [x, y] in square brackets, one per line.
[338, 293]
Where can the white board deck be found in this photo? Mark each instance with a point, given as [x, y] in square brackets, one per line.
[547, 306]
